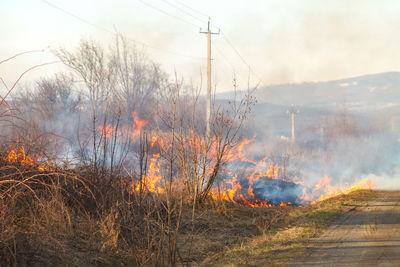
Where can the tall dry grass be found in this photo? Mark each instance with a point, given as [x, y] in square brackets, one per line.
[56, 217]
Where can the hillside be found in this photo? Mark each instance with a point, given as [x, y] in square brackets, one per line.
[363, 98]
[369, 91]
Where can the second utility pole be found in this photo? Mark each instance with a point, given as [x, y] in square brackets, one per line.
[292, 111]
[208, 112]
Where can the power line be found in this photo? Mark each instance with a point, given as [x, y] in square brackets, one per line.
[192, 9]
[239, 55]
[234, 49]
[227, 62]
[76, 17]
[113, 33]
[224, 37]
[167, 14]
[184, 11]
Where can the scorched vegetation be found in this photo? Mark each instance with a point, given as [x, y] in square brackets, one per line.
[109, 163]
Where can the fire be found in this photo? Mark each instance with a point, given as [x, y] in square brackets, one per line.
[227, 194]
[106, 131]
[240, 150]
[234, 191]
[19, 157]
[237, 194]
[249, 189]
[324, 190]
[336, 191]
[138, 125]
[283, 204]
[151, 180]
[237, 154]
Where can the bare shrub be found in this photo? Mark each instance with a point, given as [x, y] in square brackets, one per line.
[198, 158]
[103, 203]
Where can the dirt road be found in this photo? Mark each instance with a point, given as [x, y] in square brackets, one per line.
[366, 236]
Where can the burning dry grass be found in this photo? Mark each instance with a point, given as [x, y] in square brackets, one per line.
[38, 208]
[51, 216]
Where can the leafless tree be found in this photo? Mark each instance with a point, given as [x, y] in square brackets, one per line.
[116, 83]
[139, 80]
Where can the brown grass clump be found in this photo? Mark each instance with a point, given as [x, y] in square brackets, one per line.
[57, 217]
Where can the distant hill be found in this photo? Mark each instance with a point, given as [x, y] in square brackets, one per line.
[375, 91]
[363, 97]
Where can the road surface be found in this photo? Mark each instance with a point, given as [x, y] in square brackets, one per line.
[366, 236]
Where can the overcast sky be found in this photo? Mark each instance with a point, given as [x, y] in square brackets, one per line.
[283, 41]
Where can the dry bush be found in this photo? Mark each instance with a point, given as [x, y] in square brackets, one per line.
[54, 218]
[92, 213]
[115, 84]
[194, 158]
[36, 203]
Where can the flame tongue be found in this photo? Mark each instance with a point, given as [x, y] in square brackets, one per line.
[106, 130]
[335, 191]
[138, 125]
[19, 157]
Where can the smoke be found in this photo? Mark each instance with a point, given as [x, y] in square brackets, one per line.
[333, 149]
[327, 40]
[390, 182]
[346, 149]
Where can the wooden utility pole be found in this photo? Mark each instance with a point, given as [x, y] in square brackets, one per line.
[208, 112]
[292, 112]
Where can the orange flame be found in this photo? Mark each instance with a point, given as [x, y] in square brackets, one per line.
[336, 191]
[261, 171]
[232, 190]
[20, 157]
[152, 178]
[138, 125]
[106, 131]
[324, 190]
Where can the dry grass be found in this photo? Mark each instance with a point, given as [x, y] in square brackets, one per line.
[60, 218]
[288, 239]
[214, 230]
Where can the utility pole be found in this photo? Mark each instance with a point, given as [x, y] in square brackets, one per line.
[208, 112]
[292, 112]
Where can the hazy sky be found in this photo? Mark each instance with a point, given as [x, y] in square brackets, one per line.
[282, 40]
